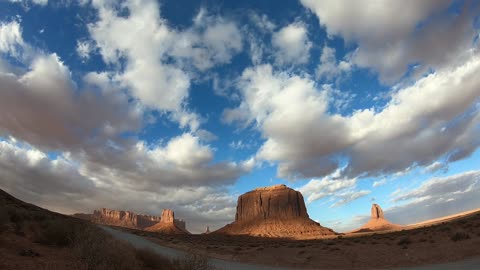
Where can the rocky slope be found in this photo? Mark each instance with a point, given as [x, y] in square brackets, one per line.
[377, 222]
[276, 211]
[169, 224]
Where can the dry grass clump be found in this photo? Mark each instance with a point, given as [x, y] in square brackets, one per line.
[460, 236]
[193, 262]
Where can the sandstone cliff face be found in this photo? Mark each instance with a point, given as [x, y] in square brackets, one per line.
[122, 218]
[275, 202]
[377, 211]
[276, 211]
[377, 222]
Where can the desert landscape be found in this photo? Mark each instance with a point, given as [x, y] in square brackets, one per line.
[271, 228]
[232, 135]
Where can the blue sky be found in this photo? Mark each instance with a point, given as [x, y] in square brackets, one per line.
[145, 104]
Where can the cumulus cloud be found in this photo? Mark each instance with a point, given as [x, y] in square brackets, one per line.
[65, 185]
[149, 47]
[426, 34]
[435, 117]
[43, 107]
[329, 68]
[292, 44]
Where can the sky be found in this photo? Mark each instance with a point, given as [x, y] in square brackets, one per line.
[142, 105]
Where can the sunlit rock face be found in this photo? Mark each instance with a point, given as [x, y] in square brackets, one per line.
[168, 224]
[377, 211]
[123, 218]
[275, 211]
[377, 222]
[275, 202]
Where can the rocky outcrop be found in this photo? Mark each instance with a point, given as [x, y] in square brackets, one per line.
[167, 216]
[377, 222]
[276, 211]
[120, 218]
[168, 224]
[377, 211]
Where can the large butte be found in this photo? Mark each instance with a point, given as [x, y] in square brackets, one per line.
[276, 211]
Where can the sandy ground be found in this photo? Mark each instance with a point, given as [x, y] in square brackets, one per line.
[455, 240]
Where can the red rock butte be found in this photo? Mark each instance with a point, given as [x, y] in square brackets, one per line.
[276, 211]
[377, 222]
[169, 224]
[120, 218]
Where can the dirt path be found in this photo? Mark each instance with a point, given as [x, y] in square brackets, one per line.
[140, 242]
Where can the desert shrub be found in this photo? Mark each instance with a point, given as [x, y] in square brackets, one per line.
[97, 250]
[193, 262]
[445, 229]
[58, 232]
[150, 259]
[17, 215]
[459, 236]
[404, 241]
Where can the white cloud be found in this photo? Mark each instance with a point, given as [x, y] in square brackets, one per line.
[436, 166]
[317, 189]
[206, 135]
[389, 43]
[340, 190]
[292, 44]
[148, 73]
[379, 183]
[11, 41]
[209, 42]
[437, 197]
[43, 107]
[349, 196]
[25, 2]
[435, 117]
[84, 49]
[329, 68]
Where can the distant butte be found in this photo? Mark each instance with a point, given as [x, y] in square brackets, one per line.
[168, 224]
[275, 211]
[377, 222]
[120, 218]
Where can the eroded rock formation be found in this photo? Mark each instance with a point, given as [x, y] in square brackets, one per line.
[168, 224]
[276, 211]
[120, 218]
[377, 222]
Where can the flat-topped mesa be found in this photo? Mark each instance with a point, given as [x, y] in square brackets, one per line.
[275, 202]
[123, 218]
[377, 211]
[276, 211]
